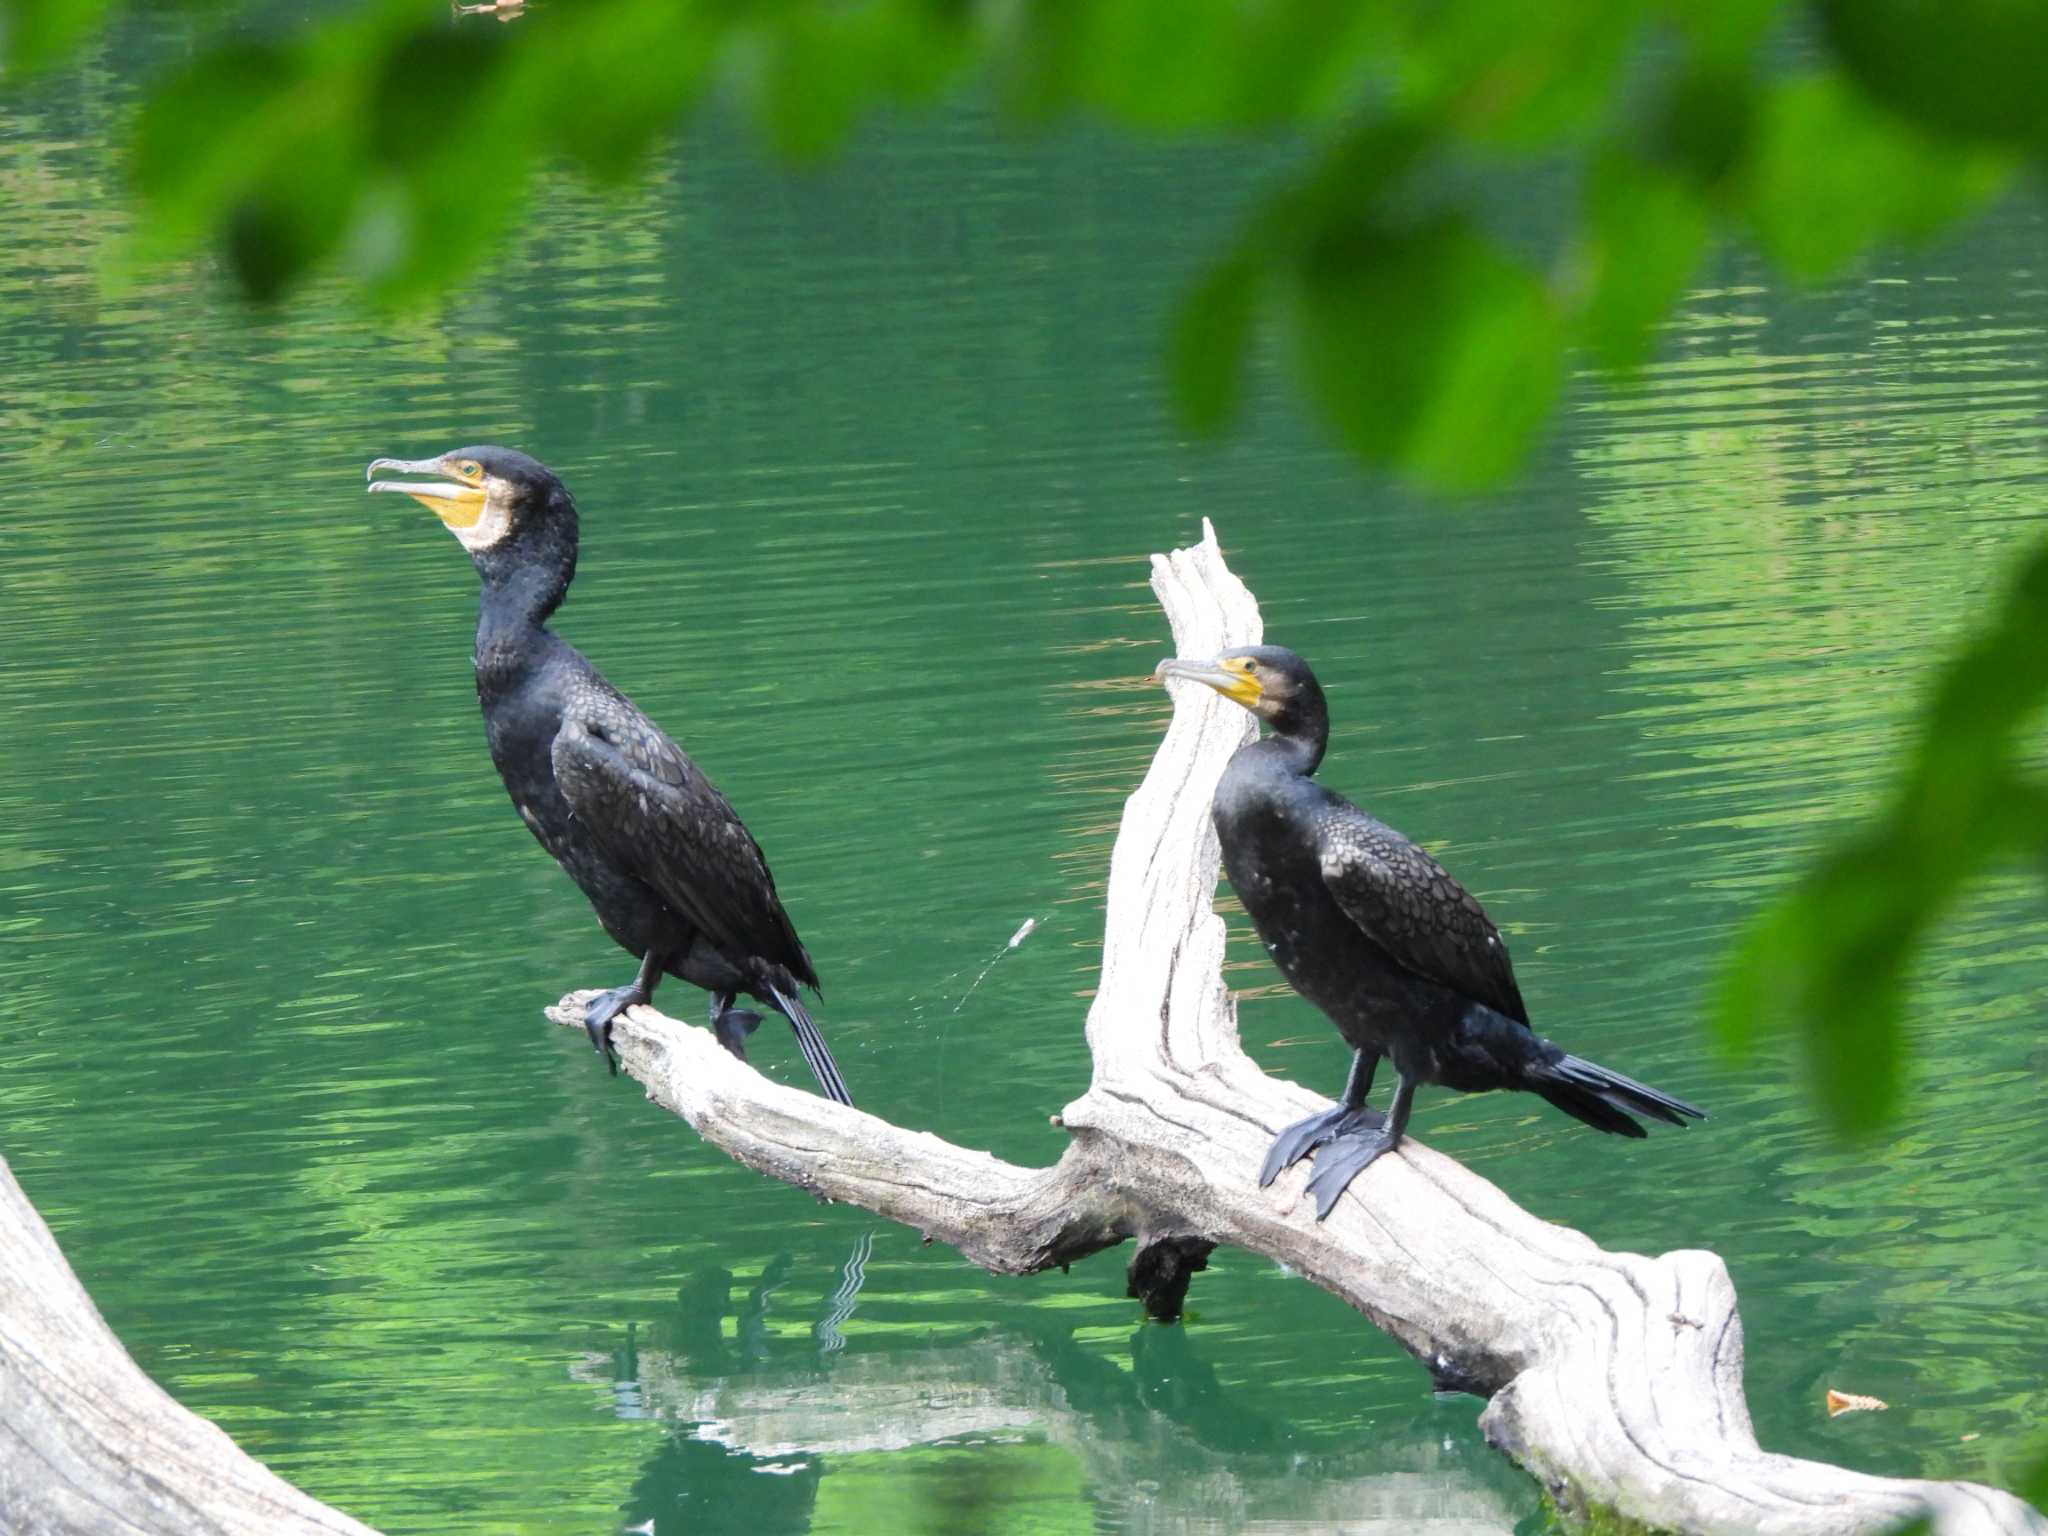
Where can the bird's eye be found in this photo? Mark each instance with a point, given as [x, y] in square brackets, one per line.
[471, 470]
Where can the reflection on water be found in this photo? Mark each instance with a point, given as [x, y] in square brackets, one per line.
[986, 1430]
[870, 460]
[1774, 651]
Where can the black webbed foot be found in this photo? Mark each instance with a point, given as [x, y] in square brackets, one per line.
[732, 1026]
[1304, 1136]
[1343, 1160]
[599, 1013]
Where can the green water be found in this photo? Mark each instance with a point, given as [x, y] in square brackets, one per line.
[870, 461]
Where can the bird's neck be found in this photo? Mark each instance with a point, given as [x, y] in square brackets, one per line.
[1299, 752]
[1299, 734]
[511, 626]
[1297, 738]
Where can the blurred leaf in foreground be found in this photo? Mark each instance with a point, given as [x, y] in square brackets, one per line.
[1830, 956]
[1429, 348]
[1646, 231]
[1970, 68]
[37, 33]
[2034, 1487]
[1832, 173]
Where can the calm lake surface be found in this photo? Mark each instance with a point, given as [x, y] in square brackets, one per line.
[870, 461]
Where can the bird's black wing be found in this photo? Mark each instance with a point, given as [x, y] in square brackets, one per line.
[1408, 904]
[656, 816]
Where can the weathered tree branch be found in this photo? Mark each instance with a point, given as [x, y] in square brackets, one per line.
[89, 1445]
[1614, 1379]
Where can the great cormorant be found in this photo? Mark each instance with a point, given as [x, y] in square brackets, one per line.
[675, 877]
[1376, 934]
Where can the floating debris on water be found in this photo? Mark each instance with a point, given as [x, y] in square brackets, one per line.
[1849, 1402]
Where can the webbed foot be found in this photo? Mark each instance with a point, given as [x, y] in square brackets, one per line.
[1344, 1159]
[732, 1026]
[599, 1013]
[1304, 1136]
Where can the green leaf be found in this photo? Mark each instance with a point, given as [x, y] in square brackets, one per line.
[295, 213]
[263, 144]
[1164, 63]
[35, 34]
[1192, 64]
[815, 69]
[1828, 959]
[1211, 332]
[1727, 31]
[453, 129]
[1983, 698]
[1507, 72]
[1830, 174]
[2034, 1486]
[194, 135]
[614, 77]
[1967, 68]
[427, 91]
[1848, 935]
[1703, 123]
[1427, 348]
[1646, 232]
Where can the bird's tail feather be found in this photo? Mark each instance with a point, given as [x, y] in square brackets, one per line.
[823, 1067]
[1590, 1092]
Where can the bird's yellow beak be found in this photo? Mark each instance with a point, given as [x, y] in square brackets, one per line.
[457, 497]
[1230, 676]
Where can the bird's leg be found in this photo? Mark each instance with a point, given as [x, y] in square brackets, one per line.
[1346, 1157]
[1358, 1082]
[607, 1006]
[1343, 1118]
[732, 1025]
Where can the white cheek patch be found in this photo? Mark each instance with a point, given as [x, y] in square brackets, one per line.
[486, 530]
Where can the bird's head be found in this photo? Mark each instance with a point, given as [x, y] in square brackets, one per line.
[1269, 680]
[505, 508]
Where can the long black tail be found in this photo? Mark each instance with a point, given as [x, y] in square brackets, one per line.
[823, 1067]
[1588, 1091]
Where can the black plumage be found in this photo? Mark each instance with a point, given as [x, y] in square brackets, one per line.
[673, 874]
[1380, 937]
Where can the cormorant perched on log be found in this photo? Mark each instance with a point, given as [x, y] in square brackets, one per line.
[675, 877]
[1376, 933]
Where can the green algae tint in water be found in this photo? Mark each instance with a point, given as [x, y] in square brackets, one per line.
[870, 461]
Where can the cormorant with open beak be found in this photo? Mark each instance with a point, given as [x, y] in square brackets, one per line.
[675, 877]
[1376, 934]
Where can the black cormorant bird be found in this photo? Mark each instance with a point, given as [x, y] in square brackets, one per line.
[1376, 933]
[675, 877]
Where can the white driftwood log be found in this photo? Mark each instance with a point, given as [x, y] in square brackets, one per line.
[1614, 1379]
[89, 1445]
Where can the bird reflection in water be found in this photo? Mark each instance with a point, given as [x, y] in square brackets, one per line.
[1148, 1436]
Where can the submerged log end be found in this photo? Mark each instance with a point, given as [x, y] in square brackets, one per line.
[1162, 1270]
